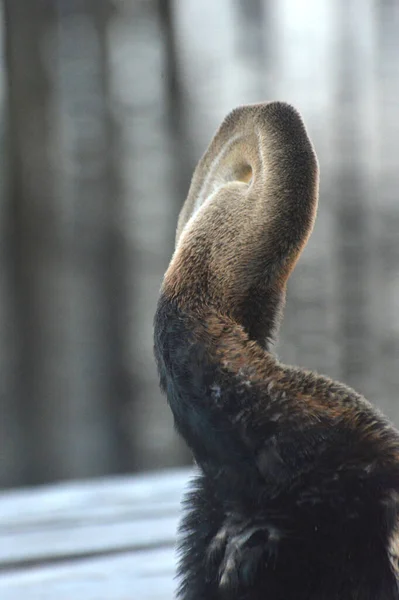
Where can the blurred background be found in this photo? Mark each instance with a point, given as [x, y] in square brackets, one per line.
[105, 108]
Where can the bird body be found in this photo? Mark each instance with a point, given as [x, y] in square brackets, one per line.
[296, 496]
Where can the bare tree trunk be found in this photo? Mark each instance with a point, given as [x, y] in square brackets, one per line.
[60, 200]
[35, 245]
[88, 148]
[385, 200]
[118, 266]
[11, 434]
[252, 18]
[177, 109]
[352, 223]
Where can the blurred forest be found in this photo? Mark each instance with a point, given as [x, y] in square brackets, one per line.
[105, 108]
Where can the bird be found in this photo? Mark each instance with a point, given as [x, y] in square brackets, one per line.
[295, 494]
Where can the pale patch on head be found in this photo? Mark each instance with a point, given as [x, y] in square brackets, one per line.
[198, 209]
[215, 176]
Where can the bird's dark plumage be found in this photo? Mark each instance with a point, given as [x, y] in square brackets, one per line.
[297, 491]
